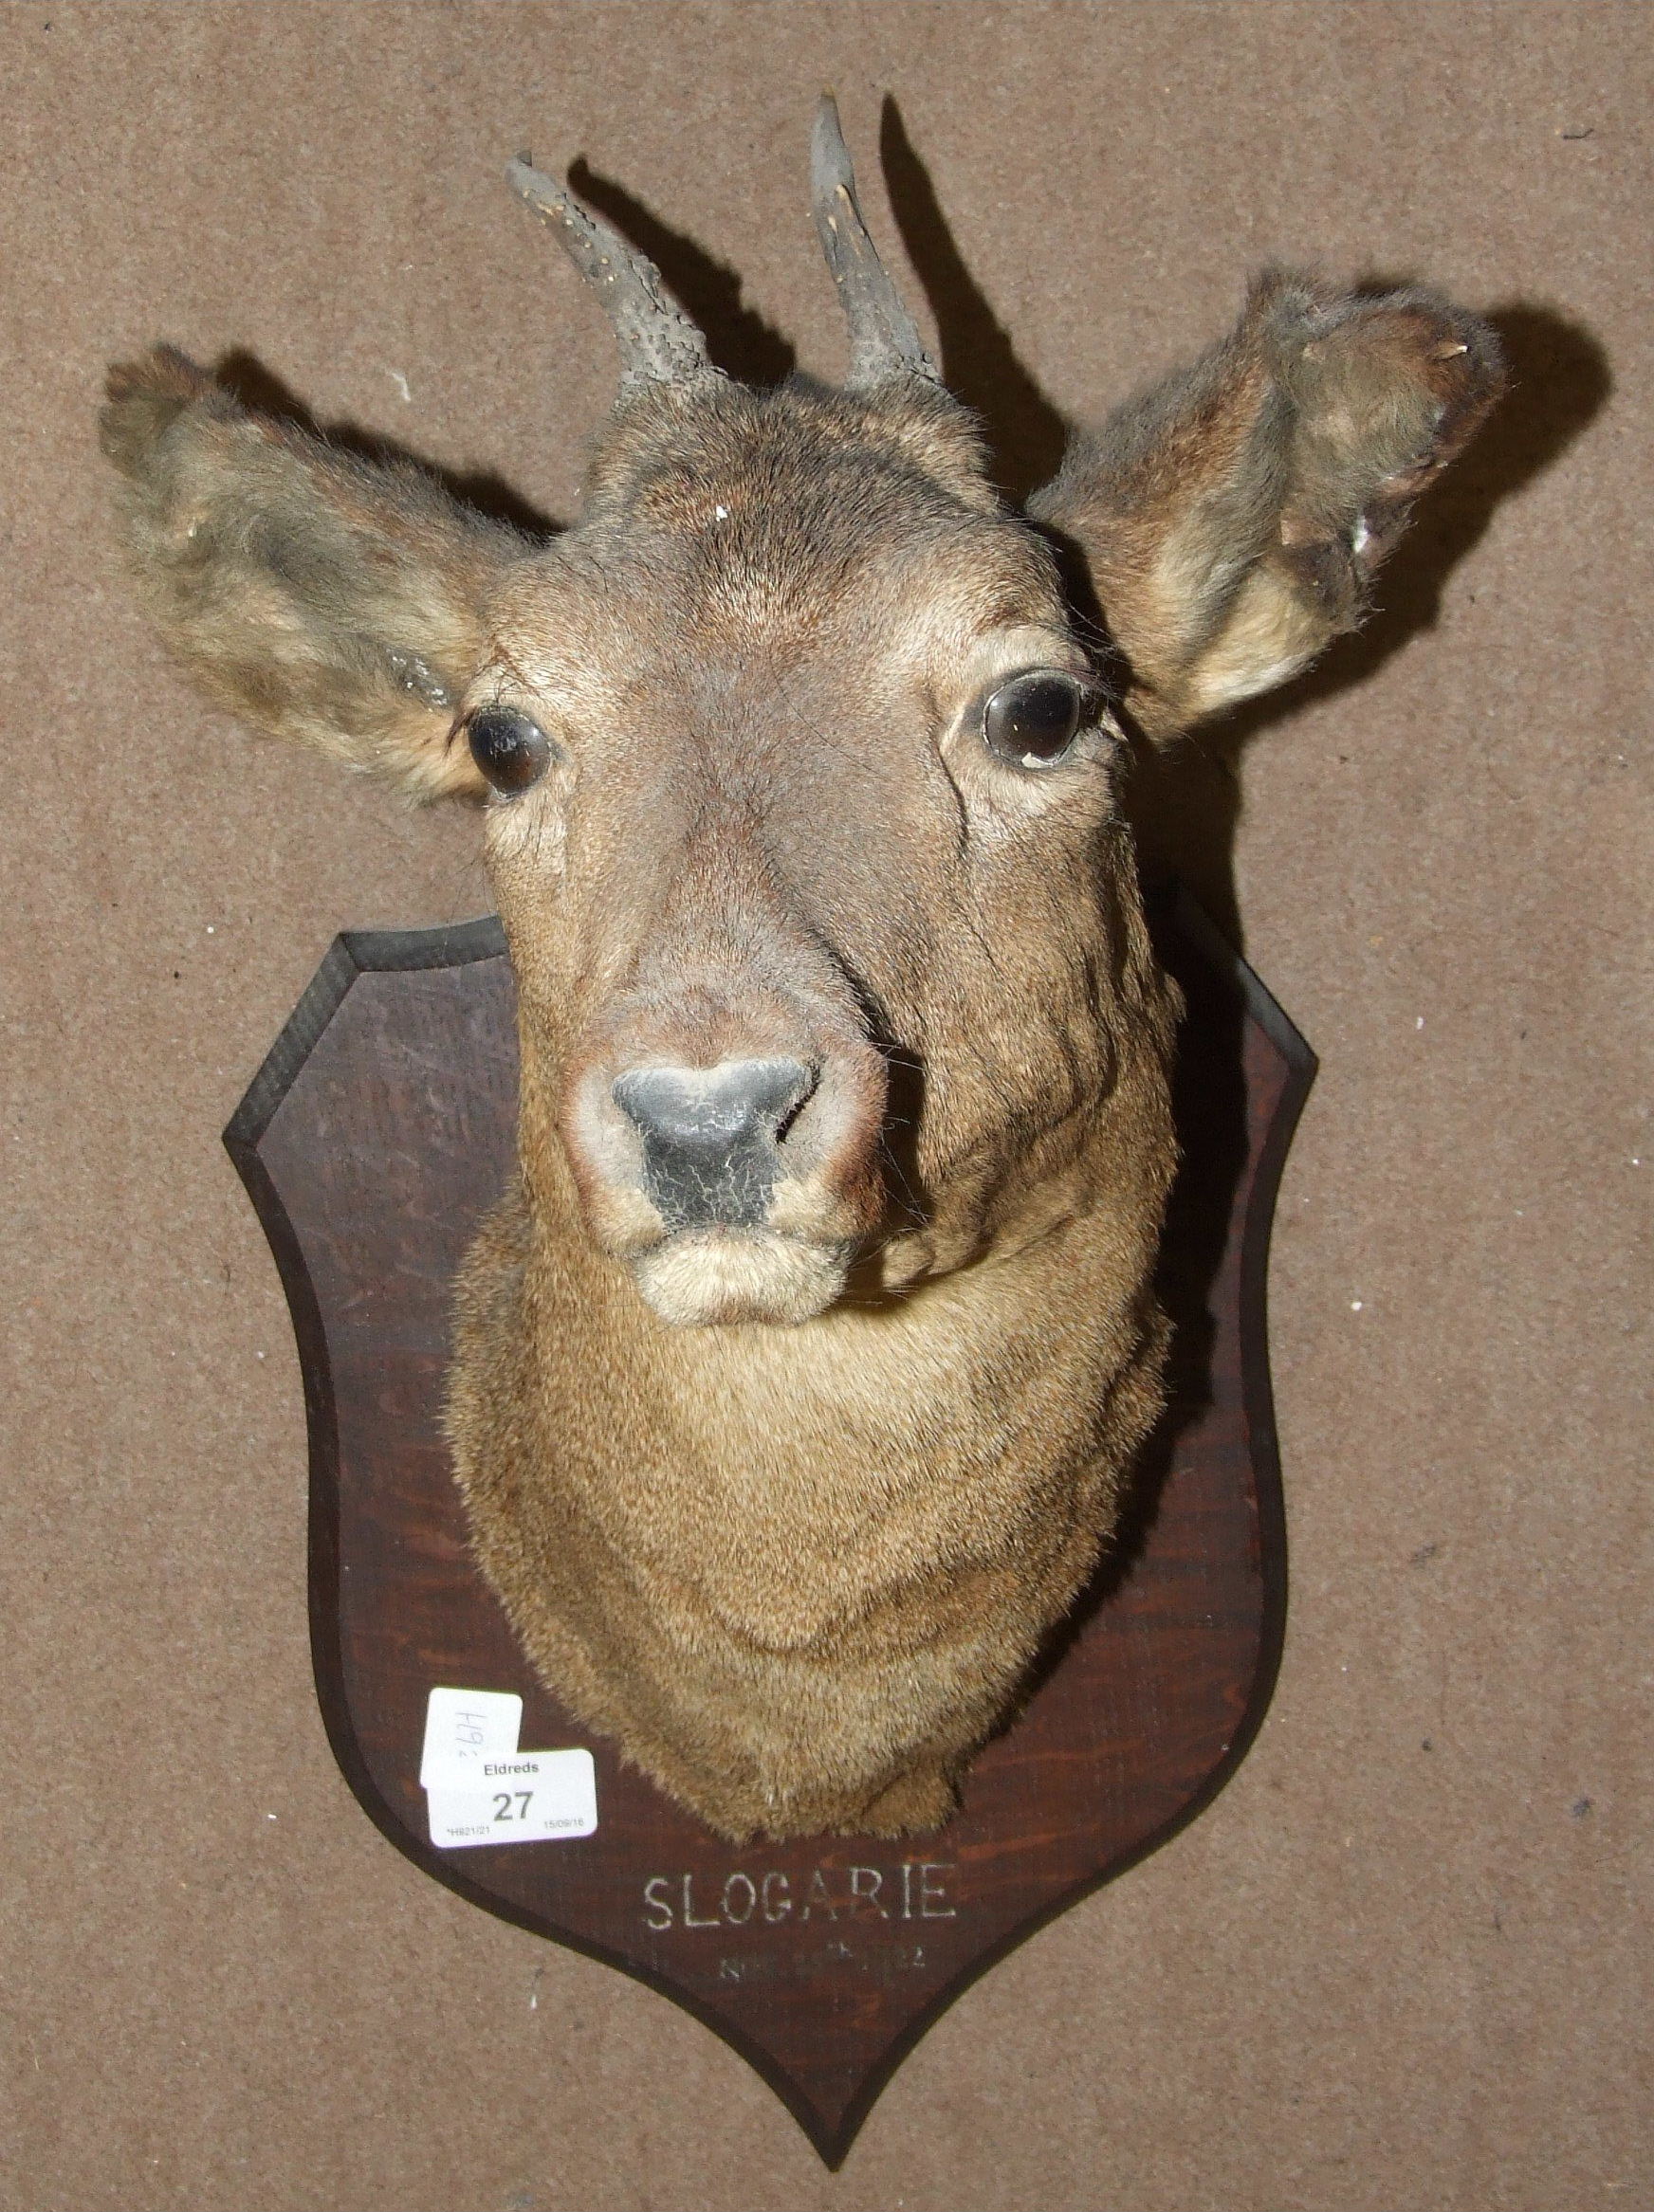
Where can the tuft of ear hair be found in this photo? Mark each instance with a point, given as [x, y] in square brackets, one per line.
[313, 592]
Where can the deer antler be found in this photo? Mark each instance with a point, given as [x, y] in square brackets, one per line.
[884, 341]
[658, 343]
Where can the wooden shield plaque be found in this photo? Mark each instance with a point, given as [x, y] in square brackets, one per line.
[375, 1135]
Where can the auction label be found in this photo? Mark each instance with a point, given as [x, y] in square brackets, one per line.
[525, 1798]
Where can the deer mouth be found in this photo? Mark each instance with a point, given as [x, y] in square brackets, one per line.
[715, 1276]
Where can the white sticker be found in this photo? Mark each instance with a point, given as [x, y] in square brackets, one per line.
[462, 1727]
[521, 1800]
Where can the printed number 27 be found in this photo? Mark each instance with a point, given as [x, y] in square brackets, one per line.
[502, 1802]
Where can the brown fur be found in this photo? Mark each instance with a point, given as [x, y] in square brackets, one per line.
[797, 1571]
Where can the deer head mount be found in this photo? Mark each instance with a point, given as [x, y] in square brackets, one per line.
[800, 1370]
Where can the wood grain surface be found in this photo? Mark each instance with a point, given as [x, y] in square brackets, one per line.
[377, 1132]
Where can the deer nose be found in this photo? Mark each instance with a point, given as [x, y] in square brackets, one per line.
[710, 1136]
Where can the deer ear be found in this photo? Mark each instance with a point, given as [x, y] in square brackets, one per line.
[316, 594]
[1232, 516]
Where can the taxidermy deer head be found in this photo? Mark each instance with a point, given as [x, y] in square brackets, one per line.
[798, 787]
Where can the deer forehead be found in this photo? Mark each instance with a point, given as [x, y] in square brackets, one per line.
[725, 608]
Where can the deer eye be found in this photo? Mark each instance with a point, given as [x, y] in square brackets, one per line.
[1033, 720]
[511, 751]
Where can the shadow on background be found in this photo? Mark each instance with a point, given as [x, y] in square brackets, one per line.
[979, 364]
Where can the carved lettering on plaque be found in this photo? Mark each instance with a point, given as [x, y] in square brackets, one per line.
[916, 1890]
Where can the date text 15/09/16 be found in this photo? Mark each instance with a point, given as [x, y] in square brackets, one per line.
[914, 1890]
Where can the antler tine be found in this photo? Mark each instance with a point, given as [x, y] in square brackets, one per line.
[884, 341]
[658, 343]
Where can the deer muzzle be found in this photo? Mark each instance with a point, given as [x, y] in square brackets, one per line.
[738, 1188]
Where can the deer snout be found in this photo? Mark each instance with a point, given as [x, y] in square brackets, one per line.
[736, 1188]
[711, 1136]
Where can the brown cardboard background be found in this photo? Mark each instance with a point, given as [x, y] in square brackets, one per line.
[1373, 1974]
